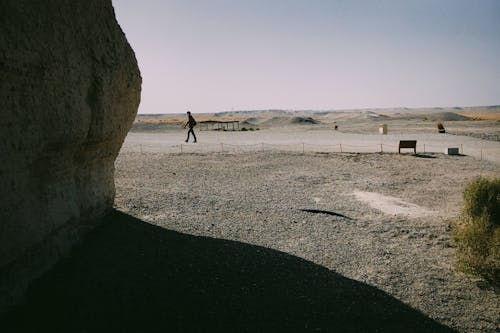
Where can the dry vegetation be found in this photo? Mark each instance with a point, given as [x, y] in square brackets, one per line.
[481, 114]
[477, 232]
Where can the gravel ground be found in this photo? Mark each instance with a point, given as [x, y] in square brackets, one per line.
[259, 199]
[308, 139]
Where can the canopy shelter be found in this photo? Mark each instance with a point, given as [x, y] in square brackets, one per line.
[220, 125]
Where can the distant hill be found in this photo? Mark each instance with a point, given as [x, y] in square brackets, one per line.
[284, 121]
[434, 116]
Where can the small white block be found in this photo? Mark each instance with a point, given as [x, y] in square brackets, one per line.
[382, 129]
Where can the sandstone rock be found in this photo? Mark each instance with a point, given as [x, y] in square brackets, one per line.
[69, 91]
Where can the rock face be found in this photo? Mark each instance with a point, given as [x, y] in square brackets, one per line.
[69, 91]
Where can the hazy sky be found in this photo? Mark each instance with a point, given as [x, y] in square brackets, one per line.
[216, 55]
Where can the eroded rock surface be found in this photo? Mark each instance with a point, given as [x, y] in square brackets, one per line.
[69, 91]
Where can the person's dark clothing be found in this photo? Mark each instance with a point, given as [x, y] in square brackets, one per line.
[191, 132]
[191, 123]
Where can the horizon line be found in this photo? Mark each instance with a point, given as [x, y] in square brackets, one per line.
[330, 110]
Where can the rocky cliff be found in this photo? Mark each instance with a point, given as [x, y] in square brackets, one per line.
[69, 91]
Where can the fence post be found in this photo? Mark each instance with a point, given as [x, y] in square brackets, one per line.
[181, 148]
[262, 144]
[221, 147]
[424, 148]
[381, 149]
[303, 149]
[461, 149]
[341, 148]
[481, 154]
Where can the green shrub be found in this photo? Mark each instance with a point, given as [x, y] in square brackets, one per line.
[243, 129]
[477, 232]
[481, 196]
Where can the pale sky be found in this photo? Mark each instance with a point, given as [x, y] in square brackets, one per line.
[219, 55]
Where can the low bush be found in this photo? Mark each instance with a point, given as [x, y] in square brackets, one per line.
[477, 231]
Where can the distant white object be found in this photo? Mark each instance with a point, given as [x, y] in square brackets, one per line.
[451, 151]
[382, 129]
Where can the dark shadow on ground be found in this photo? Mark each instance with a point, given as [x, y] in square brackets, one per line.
[424, 155]
[130, 276]
[327, 212]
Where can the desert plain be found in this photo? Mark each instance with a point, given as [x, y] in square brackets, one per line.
[291, 225]
[362, 211]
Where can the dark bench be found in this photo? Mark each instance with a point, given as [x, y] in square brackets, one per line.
[410, 144]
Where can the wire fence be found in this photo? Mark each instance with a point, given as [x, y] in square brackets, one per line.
[303, 147]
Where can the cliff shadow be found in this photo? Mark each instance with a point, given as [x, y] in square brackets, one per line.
[131, 276]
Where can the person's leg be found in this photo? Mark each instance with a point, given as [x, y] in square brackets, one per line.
[189, 133]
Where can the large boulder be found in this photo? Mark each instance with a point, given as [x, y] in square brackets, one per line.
[69, 91]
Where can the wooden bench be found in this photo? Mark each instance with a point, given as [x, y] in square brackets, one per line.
[410, 144]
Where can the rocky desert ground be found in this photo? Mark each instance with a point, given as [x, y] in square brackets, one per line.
[382, 219]
[289, 226]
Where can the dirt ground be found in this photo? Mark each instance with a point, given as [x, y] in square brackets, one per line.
[280, 230]
[480, 122]
[474, 132]
[394, 232]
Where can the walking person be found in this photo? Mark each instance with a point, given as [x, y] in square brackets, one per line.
[191, 123]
